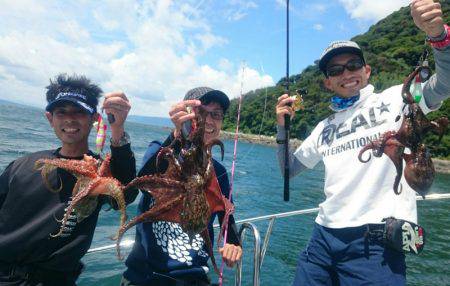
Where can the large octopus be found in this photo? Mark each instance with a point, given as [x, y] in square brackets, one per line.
[419, 169]
[188, 191]
[93, 179]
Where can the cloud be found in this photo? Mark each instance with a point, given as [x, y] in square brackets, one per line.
[318, 27]
[238, 9]
[225, 64]
[319, 8]
[371, 10]
[150, 49]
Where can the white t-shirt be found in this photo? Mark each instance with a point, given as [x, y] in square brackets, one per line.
[359, 193]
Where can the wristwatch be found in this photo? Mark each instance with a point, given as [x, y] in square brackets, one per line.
[125, 139]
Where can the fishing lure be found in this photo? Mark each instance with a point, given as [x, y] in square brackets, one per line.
[101, 134]
[298, 104]
[416, 88]
[422, 76]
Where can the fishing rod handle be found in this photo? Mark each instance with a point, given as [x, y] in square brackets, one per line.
[287, 123]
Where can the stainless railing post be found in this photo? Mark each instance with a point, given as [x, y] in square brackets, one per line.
[266, 240]
[256, 255]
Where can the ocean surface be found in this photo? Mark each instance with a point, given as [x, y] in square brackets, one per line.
[258, 190]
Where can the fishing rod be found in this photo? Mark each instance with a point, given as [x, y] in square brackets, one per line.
[287, 118]
[233, 167]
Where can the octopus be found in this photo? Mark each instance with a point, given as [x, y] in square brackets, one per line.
[93, 179]
[419, 169]
[188, 192]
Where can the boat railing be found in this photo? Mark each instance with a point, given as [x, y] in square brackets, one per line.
[259, 251]
[127, 242]
[257, 255]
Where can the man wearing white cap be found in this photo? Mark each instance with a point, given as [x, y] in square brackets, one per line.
[345, 247]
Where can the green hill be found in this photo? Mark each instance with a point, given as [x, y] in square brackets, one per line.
[392, 48]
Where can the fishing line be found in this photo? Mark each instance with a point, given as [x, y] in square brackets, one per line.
[250, 151]
[246, 154]
[236, 135]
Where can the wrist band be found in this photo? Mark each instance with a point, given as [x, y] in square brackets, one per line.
[445, 42]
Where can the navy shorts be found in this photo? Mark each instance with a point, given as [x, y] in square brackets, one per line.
[347, 256]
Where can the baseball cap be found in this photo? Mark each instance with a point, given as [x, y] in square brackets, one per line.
[78, 99]
[207, 95]
[337, 48]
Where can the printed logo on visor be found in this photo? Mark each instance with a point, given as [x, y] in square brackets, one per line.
[71, 94]
[87, 107]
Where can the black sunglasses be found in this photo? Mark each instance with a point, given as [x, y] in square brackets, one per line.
[216, 114]
[351, 65]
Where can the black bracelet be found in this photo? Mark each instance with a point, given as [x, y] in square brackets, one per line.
[280, 141]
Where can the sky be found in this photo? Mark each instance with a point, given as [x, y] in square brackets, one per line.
[156, 50]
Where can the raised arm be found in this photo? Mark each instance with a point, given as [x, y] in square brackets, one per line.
[123, 163]
[427, 16]
[282, 109]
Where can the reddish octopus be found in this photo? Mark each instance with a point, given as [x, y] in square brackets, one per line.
[93, 178]
[419, 170]
[188, 192]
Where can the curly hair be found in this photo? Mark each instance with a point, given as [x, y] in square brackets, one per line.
[75, 83]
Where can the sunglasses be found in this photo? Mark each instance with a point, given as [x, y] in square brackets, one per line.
[216, 114]
[351, 65]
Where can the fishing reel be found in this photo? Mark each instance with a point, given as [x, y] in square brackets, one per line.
[298, 103]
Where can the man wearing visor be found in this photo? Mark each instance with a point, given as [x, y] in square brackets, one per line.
[359, 195]
[29, 210]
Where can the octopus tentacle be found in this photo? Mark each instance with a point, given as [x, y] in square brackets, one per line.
[75, 199]
[406, 94]
[76, 188]
[363, 150]
[105, 170]
[78, 167]
[207, 239]
[209, 170]
[151, 215]
[150, 182]
[399, 168]
[440, 126]
[394, 150]
[215, 142]
[116, 192]
[174, 164]
[46, 169]
[229, 210]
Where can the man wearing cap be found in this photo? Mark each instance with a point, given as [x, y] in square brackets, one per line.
[29, 211]
[342, 250]
[162, 253]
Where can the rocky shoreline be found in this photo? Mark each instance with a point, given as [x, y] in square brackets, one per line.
[441, 166]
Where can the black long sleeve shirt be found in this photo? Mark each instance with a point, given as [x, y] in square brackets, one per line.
[28, 212]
